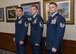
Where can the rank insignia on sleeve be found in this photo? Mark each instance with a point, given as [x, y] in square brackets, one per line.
[26, 24]
[62, 25]
[41, 24]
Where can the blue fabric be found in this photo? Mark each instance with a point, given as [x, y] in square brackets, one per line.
[21, 27]
[36, 34]
[55, 31]
[36, 30]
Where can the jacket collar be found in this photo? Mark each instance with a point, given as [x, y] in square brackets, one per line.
[34, 15]
[54, 14]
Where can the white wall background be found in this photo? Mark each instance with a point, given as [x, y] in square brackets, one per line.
[70, 33]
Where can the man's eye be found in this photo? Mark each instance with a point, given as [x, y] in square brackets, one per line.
[52, 7]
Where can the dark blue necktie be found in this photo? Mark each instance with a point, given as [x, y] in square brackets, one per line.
[49, 20]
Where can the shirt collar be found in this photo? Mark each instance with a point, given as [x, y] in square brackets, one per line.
[54, 14]
[34, 15]
[20, 16]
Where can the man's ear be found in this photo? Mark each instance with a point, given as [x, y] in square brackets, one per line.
[23, 13]
[57, 8]
[37, 10]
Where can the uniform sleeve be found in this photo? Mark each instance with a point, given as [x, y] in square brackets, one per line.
[59, 32]
[39, 30]
[24, 29]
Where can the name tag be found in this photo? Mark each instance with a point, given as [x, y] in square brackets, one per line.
[20, 22]
[37, 44]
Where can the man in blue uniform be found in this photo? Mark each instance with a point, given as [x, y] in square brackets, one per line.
[21, 27]
[55, 30]
[36, 30]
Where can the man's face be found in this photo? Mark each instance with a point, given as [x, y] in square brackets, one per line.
[19, 12]
[52, 8]
[33, 10]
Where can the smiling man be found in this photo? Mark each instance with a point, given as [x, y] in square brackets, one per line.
[21, 27]
[55, 30]
[36, 31]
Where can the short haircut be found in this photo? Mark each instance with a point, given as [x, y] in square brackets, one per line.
[53, 3]
[20, 8]
[35, 6]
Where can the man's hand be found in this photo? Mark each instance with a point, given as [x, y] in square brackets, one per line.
[14, 39]
[21, 42]
[54, 50]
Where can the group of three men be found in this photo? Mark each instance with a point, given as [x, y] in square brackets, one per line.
[54, 33]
